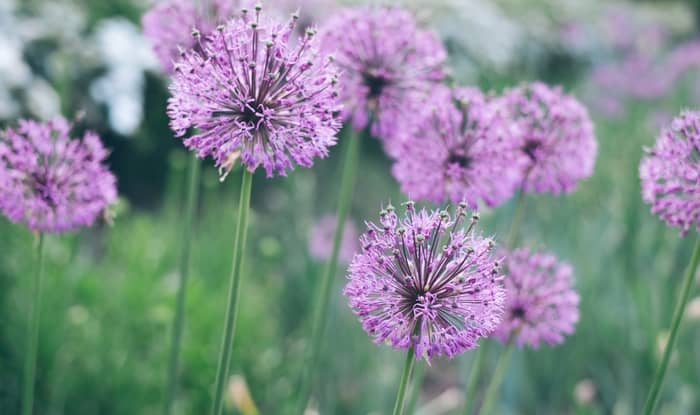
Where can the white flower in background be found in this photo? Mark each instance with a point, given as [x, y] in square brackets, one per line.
[127, 56]
[62, 20]
[42, 100]
[116, 44]
[22, 90]
[8, 107]
[478, 31]
[14, 72]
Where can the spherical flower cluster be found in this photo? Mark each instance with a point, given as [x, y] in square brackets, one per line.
[670, 173]
[169, 25]
[321, 239]
[555, 135]
[50, 182]
[251, 92]
[461, 151]
[388, 63]
[427, 281]
[541, 305]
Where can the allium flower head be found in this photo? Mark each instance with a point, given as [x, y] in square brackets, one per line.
[670, 173]
[541, 304]
[388, 65]
[249, 91]
[169, 24]
[321, 239]
[50, 182]
[555, 136]
[426, 280]
[460, 151]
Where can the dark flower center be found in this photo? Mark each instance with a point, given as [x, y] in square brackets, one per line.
[462, 159]
[250, 115]
[518, 312]
[375, 83]
[40, 184]
[531, 147]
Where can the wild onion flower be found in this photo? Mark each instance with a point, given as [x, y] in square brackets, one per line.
[169, 24]
[321, 239]
[541, 304]
[460, 151]
[555, 137]
[670, 173]
[51, 182]
[251, 92]
[426, 281]
[389, 65]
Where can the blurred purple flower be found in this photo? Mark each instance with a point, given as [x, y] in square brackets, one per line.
[635, 77]
[555, 134]
[460, 151]
[670, 173]
[321, 239]
[641, 75]
[541, 304]
[50, 182]
[169, 24]
[427, 281]
[627, 32]
[606, 105]
[389, 65]
[249, 91]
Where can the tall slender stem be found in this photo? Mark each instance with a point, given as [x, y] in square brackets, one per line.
[234, 292]
[496, 380]
[347, 184]
[474, 374]
[405, 379]
[472, 383]
[33, 332]
[517, 219]
[184, 267]
[416, 387]
[653, 397]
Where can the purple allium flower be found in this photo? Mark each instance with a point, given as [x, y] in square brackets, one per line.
[541, 304]
[555, 136]
[670, 173]
[460, 151]
[321, 239]
[427, 281]
[249, 91]
[169, 25]
[50, 182]
[388, 63]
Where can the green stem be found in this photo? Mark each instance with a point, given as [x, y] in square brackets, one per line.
[496, 380]
[474, 374]
[517, 219]
[184, 266]
[416, 387]
[347, 184]
[234, 292]
[405, 378]
[33, 332]
[477, 367]
[653, 397]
